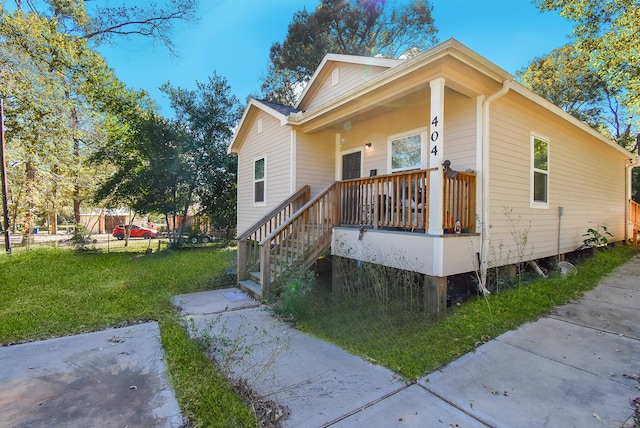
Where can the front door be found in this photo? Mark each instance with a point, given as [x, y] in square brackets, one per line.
[351, 165]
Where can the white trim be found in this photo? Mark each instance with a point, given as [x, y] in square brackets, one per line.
[253, 103]
[338, 162]
[424, 158]
[533, 170]
[350, 59]
[264, 180]
[294, 162]
[260, 125]
[348, 152]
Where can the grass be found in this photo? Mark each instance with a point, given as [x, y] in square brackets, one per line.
[414, 345]
[49, 292]
[52, 292]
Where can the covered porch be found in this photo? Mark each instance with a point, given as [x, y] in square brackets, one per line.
[415, 210]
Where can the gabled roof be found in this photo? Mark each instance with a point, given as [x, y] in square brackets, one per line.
[396, 70]
[329, 59]
[284, 110]
[278, 111]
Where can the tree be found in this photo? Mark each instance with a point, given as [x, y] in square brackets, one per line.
[566, 78]
[208, 116]
[170, 166]
[361, 27]
[62, 92]
[103, 24]
[607, 32]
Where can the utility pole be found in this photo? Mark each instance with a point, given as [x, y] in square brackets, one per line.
[3, 169]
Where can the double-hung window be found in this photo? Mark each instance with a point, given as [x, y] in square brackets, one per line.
[405, 151]
[539, 172]
[259, 180]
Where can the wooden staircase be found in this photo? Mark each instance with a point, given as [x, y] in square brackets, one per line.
[295, 233]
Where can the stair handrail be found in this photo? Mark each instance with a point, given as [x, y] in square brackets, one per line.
[270, 242]
[303, 192]
[298, 213]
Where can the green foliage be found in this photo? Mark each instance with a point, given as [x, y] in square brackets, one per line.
[567, 78]
[206, 398]
[362, 27]
[607, 32]
[106, 289]
[62, 100]
[207, 117]
[295, 294]
[595, 238]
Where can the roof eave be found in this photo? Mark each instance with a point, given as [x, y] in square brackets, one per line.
[253, 103]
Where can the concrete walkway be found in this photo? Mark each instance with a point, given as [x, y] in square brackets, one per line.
[577, 367]
[113, 378]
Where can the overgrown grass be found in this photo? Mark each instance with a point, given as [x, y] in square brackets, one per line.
[50, 292]
[413, 346]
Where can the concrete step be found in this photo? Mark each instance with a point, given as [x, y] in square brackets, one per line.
[252, 288]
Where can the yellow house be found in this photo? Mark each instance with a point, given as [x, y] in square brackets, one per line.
[440, 164]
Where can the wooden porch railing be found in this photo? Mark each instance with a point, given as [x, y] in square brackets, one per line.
[459, 203]
[401, 201]
[394, 201]
[301, 239]
[387, 201]
[248, 250]
[634, 219]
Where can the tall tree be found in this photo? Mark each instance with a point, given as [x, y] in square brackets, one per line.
[208, 116]
[566, 78]
[608, 32]
[61, 91]
[172, 166]
[360, 27]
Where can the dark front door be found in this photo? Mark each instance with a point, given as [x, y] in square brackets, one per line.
[351, 165]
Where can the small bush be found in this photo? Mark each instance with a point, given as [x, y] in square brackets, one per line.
[295, 300]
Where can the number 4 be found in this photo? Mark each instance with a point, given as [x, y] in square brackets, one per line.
[434, 122]
[434, 151]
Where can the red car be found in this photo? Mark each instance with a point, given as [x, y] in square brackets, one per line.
[136, 232]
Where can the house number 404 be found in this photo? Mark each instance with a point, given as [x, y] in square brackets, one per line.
[434, 136]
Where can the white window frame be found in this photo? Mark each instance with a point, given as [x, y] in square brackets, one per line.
[424, 159]
[534, 170]
[263, 179]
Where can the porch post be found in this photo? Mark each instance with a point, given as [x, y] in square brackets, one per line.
[436, 157]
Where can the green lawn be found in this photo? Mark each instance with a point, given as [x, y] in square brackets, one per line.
[49, 292]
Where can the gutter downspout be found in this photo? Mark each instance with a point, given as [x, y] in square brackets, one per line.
[628, 184]
[484, 251]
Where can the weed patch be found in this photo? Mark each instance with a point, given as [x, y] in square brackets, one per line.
[413, 345]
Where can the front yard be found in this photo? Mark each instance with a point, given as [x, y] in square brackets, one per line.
[55, 292]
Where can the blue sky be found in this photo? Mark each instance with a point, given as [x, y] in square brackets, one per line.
[233, 38]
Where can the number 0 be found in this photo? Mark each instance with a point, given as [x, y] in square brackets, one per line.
[434, 136]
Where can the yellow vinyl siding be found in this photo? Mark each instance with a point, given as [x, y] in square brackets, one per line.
[315, 160]
[349, 76]
[578, 181]
[274, 143]
[460, 130]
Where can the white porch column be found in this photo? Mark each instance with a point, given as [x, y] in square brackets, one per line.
[436, 157]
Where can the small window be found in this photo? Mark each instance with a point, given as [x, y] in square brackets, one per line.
[259, 181]
[540, 171]
[405, 152]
